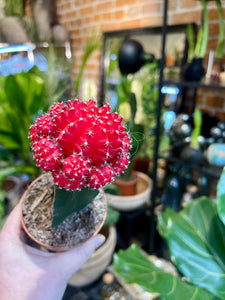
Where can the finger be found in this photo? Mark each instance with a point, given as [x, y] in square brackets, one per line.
[70, 261]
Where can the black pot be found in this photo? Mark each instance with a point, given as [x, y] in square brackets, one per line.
[194, 71]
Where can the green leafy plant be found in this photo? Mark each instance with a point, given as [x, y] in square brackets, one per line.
[149, 99]
[195, 239]
[197, 128]
[22, 96]
[125, 95]
[199, 48]
[14, 8]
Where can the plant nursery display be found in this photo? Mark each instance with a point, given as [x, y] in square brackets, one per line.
[195, 240]
[81, 148]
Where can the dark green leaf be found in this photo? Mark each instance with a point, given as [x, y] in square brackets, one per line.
[112, 217]
[67, 202]
[8, 140]
[133, 267]
[195, 238]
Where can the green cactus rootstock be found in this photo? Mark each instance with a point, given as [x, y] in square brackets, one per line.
[66, 202]
[84, 147]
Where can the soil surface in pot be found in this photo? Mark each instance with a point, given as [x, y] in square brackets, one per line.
[77, 228]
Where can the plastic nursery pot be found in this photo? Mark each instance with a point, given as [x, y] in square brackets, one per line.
[37, 203]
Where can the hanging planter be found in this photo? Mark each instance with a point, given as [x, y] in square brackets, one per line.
[81, 148]
[194, 70]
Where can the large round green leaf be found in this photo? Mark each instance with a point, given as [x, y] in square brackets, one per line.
[133, 267]
[195, 238]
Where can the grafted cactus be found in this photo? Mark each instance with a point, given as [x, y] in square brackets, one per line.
[83, 146]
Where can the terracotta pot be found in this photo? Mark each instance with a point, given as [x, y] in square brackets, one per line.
[42, 189]
[99, 261]
[128, 203]
[127, 187]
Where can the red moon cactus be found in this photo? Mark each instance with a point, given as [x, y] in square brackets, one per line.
[82, 145]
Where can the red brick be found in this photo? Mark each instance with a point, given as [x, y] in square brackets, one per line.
[152, 8]
[215, 102]
[188, 3]
[105, 6]
[120, 3]
[119, 15]
[186, 17]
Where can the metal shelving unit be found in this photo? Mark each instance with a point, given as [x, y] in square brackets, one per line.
[182, 85]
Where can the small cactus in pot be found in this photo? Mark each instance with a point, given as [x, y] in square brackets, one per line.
[82, 148]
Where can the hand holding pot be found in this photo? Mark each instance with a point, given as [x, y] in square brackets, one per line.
[29, 273]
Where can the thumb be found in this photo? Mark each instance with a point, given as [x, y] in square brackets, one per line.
[70, 261]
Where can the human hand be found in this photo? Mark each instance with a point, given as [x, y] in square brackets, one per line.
[28, 273]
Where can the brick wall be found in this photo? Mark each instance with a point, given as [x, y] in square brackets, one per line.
[81, 17]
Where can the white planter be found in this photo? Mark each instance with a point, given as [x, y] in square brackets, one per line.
[96, 265]
[128, 203]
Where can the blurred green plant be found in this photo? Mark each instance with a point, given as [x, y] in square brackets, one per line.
[22, 96]
[14, 8]
[197, 119]
[136, 131]
[112, 217]
[198, 49]
[195, 240]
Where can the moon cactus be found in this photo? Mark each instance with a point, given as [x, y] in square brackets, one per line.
[83, 146]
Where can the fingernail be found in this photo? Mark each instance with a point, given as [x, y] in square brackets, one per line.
[99, 240]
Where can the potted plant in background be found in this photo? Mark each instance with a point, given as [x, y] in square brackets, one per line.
[148, 77]
[81, 148]
[128, 181]
[133, 187]
[195, 239]
[194, 70]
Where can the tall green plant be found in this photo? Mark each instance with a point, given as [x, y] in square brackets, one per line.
[199, 48]
[195, 239]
